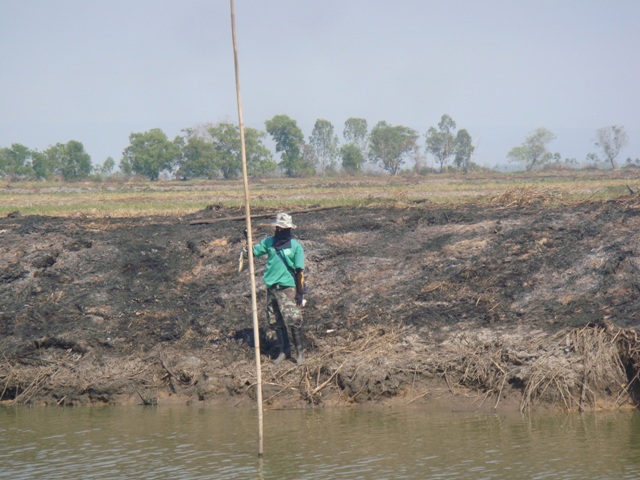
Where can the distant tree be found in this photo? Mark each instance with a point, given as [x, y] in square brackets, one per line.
[75, 163]
[108, 166]
[15, 162]
[611, 140]
[197, 158]
[308, 161]
[592, 160]
[66, 159]
[50, 162]
[325, 143]
[354, 151]
[388, 145]
[419, 161]
[214, 150]
[558, 163]
[228, 151]
[440, 142]
[571, 162]
[289, 142]
[463, 150]
[125, 167]
[43, 166]
[226, 147]
[356, 132]
[260, 161]
[632, 163]
[533, 152]
[150, 153]
[352, 158]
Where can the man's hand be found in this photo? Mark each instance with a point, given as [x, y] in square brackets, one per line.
[299, 299]
[241, 258]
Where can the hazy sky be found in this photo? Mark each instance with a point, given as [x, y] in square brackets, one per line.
[96, 71]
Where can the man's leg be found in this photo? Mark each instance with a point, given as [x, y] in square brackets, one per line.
[292, 317]
[276, 322]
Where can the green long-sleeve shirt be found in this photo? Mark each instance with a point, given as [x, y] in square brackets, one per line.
[275, 271]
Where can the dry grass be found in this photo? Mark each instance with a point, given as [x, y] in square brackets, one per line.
[132, 199]
[525, 196]
[59, 374]
[574, 369]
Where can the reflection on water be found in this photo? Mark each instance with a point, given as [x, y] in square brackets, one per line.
[197, 443]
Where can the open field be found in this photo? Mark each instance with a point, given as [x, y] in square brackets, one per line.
[495, 291]
[131, 199]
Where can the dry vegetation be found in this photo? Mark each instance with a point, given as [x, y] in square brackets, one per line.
[515, 292]
[131, 198]
[573, 369]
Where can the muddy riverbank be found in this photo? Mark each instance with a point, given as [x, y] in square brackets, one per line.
[516, 303]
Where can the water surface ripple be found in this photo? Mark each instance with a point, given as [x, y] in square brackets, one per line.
[208, 442]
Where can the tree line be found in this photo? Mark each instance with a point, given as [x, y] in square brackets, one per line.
[214, 151]
[534, 152]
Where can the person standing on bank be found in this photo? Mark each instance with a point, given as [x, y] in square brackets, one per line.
[284, 278]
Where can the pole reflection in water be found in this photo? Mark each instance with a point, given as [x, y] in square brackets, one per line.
[209, 442]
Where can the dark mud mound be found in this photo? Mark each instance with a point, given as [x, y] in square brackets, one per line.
[153, 305]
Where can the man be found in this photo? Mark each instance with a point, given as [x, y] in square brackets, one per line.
[284, 277]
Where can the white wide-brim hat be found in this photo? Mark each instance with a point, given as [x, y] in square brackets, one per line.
[283, 220]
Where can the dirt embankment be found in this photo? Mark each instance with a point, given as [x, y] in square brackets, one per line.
[513, 303]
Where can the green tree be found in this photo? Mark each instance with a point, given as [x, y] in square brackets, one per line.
[215, 151]
[289, 141]
[352, 158]
[150, 153]
[226, 147]
[197, 159]
[15, 162]
[228, 151]
[463, 150]
[325, 143]
[42, 168]
[389, 145]
[75, 163]
[441, 142]
[308, 161]
[611, 140]
[107, 167]
[69, 160]
[125, 167]
[356, 134]
[50, 162]
[260, 162]
[533, 152]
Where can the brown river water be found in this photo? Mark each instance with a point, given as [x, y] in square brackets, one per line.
[180, 442]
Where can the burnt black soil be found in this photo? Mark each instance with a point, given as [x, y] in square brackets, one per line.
[111, 310]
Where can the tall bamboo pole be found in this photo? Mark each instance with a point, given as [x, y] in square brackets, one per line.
[254, 303]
